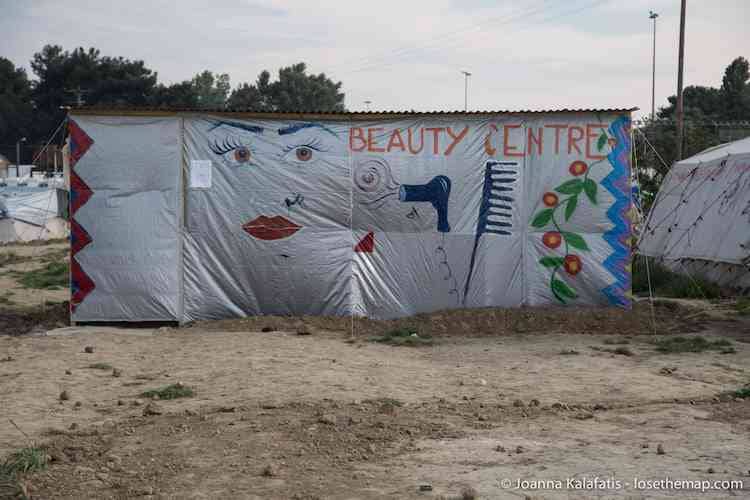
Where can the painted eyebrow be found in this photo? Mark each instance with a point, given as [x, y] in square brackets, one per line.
[291, 129]
[250, 128]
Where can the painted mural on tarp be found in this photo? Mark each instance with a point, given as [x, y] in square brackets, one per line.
[382, 218]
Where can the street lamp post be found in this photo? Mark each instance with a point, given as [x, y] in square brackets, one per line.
[466, 89]
[653, 15]
[18, 155]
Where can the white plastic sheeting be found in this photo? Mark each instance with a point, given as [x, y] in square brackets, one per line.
[29, 209]
[193, 217]
[702, 213]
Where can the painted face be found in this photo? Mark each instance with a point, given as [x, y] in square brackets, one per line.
[287, 171]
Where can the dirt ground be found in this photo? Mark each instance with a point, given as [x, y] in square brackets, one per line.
[500, 396]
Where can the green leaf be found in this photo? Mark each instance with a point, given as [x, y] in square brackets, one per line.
[571, 206]
[590, 188]
[562, 290]
[602, 141]
[551, 261]
[575, 240]
[573, 186]
[542, 218]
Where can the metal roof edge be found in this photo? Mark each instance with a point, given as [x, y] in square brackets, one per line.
[160, 111]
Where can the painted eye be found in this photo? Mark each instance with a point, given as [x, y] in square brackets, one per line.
[304, 153]
[242, 154]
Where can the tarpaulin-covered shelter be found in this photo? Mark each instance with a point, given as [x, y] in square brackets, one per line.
[700, 221]
[188, 215]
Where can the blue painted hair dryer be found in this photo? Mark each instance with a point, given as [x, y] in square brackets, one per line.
[437, 192]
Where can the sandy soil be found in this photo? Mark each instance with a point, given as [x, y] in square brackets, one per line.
[501, 395]
[329, 416]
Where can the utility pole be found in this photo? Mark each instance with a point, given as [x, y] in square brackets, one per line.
[466, 89]
[680, 61]
[653, 15]
[367, 105]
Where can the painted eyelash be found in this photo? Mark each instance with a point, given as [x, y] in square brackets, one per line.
[227, 145]
[314, 144]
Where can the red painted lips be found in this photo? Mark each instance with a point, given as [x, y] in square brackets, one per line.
[271, 228]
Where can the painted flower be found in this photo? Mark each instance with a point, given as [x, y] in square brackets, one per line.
[550, 199]
[552, 239]
[578, 167]
[572, 264]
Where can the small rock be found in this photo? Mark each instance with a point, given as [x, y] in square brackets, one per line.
[191, 413]
[68, 372]
[500, 448]
[116, 372]
[78, 404]
[137, 402]
[599, 407]
[268, 329]
[120, 402]
[102, 476]
[425, 487]
[469, 493]
[534, 402]
[518, 403]
[147, 491]
[88, 349]
[327, 419]
[269, 471]
[8, 358]
[644, 445]
[711, 470]
[152, 409]
[660, 449]
[519, 449]
[303, 331]
[584, 415]
[73, 426]
[64, 396]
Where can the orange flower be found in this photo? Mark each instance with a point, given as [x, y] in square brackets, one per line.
[552, 239]
[550, 199]
[578, 167]
[572, 264]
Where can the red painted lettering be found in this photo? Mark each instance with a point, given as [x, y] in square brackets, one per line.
[508, 149]
[573, 141]
[455, 139]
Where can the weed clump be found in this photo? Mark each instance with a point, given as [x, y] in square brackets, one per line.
[172, 391]
[403, 337]
[676, 345]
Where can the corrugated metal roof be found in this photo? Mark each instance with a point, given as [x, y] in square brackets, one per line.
[125, 110]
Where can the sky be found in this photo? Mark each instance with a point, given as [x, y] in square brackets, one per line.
[407, 55]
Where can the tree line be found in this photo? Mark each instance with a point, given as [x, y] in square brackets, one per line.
[32, 108]
[711, 116]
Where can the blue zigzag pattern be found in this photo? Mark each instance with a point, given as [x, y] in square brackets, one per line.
[618, 183]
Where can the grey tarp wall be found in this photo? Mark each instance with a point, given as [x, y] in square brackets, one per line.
[198, 216]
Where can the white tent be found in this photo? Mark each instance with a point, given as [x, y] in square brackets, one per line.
[700, 221]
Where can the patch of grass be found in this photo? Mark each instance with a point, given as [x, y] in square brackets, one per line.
[403, 337]
[617, 341]
[672, 345]
[172, 391]
[100, 366]
[666, 283]
[53, 276]
[55, 255]
[8, 258]
[25, 460]
[743, 393]
[743, 307]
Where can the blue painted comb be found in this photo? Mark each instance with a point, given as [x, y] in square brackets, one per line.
[499, 179]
